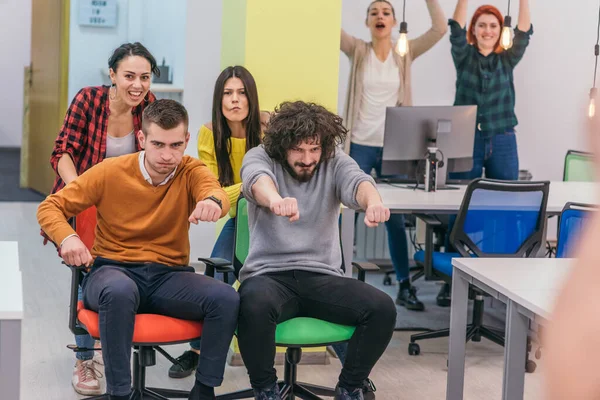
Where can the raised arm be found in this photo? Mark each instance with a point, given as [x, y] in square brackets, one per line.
[460, 13]
[524, 16]
[347, 43]
[437, 31]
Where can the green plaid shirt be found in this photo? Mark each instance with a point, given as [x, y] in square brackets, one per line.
[487, 81]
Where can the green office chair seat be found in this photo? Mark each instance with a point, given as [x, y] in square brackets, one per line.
[305, 332]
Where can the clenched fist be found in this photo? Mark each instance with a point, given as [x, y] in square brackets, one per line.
[75, 253]
[286, 207]
[205, 211]
[375, 214]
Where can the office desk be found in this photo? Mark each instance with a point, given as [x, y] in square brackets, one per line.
[408, 201]
[11, 314]
[528, 286]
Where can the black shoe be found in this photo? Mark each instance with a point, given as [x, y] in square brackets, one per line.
[199, 393]
[189, 363]
[407, 297]
[368, 389]
[443, 297]
[344, 394]
[134, 395]
[268, 394]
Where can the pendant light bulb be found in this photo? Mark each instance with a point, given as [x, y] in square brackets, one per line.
[506, 38]
[402, 45]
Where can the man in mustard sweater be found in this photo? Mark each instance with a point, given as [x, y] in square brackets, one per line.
[139, 261]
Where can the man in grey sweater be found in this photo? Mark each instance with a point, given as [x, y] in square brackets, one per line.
[294, 184]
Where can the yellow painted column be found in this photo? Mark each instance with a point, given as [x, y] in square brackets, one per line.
[292, 49]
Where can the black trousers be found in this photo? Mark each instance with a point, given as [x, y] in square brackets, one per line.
[118, 292]
[266, 300]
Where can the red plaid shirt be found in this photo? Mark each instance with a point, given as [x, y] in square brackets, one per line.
[83, 134]
[84, 130]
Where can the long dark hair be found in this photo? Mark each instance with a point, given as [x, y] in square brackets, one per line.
[221, 131]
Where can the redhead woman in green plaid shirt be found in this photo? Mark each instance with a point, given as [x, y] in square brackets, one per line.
[484, 77]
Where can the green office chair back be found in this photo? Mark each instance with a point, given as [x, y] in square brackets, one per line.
[296, 332]
[578, 167]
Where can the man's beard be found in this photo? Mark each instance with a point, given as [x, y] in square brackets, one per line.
[304, 177]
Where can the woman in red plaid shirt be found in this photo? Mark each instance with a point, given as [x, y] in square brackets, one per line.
[102, 122]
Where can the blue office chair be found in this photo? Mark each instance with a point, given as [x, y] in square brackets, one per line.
[496, 219]
[570, 226]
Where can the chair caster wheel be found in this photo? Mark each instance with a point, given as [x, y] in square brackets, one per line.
[414, 349]
[387, 281]
[530, 366]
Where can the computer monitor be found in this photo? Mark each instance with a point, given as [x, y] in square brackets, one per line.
[410, 131]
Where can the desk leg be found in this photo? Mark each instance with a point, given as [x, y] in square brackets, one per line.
[10, 359]
[347, 238]
[514, 353]
[458, 334]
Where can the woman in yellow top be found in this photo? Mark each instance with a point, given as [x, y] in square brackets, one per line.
[222, 144]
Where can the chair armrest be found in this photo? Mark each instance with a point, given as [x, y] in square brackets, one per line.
[429, 220]
[363, 268]
[76, 278]
[216, 264]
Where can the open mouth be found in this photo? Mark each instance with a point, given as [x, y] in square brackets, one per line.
[380, 25]
[135, 95]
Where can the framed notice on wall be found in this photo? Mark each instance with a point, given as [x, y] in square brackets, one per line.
[102, 13]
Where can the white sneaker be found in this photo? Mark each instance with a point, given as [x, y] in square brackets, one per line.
[85, 378]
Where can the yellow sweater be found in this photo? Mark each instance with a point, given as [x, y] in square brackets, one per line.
[137, 222]
[206, 153]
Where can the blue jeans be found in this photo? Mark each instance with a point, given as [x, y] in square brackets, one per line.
[497, 154]
[369, 158]
[223, 248]
[84, 340]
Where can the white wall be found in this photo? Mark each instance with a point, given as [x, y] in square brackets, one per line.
[90, 47]
[157, 24]
[15, 51]
[202, 66]
[552, 81]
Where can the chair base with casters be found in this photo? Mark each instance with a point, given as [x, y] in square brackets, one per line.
[294, 334]
[150, 332]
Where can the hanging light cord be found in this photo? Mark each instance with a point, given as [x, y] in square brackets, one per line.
[404, 11]
[508, 13]
[597, 48]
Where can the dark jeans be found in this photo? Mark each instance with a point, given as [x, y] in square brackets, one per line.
[269, 299]
[118, 292]
[223, 248]
[369, 158]
[497, 154]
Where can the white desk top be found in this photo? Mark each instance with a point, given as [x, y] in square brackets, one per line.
[449, 201]
[11, 286]
[532, 283]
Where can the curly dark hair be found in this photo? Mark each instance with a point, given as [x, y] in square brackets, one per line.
[295, 122]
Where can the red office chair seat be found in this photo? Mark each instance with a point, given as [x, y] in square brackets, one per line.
[149, 328]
